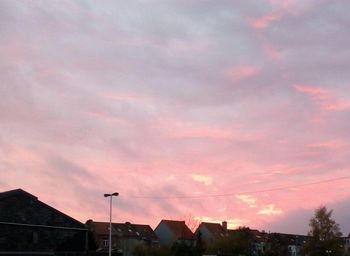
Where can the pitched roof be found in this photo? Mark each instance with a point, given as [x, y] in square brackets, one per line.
[291, 239]
[100, 228]
[69, 222]
[254, 234]
[215, 229]
[257, 235]
[180, 229]
[125, 230]
[145, 231]
[16, 192]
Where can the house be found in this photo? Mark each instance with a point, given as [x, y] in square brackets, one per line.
[346, 245]
[125, 236]
[100, 233]
[146, 233]
[295, 244]
[29, 225]
[290, 244]
[258, 239]
[172, 231]
[259, 242]
[211, 232]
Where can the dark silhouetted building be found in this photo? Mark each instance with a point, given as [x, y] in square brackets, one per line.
[29, 225]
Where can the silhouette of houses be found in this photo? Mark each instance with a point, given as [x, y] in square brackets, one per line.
[30, 226]
[260, 242]
[27, 224]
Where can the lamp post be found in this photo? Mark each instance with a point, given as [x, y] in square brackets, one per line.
[110, 221]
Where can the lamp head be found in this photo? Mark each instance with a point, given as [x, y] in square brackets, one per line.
[113, 194]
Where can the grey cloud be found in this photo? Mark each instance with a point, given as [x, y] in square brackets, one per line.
[67, 168]
[311, 55]
[297, 222]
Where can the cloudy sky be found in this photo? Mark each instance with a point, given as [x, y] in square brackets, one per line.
[205, 110]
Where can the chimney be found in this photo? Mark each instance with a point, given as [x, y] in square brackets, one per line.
[224, 225]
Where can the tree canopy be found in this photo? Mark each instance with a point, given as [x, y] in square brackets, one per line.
[325, 235]
[238, 242]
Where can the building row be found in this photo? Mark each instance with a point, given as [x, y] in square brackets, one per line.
[31, 226]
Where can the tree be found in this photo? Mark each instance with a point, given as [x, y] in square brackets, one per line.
[277, 245]
[145, 250]
[182, 249]
[200, 245]
[141, 250]
[238, 242]
[325, 235]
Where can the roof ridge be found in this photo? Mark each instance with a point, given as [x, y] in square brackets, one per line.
[15, 192]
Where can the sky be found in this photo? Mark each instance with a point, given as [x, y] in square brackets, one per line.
[191, 110]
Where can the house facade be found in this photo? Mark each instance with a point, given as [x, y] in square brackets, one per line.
[172, 231]
[257, 238]
[289, 244]
[346, 245]
[29, 225]
[125, 236]
[211, 232]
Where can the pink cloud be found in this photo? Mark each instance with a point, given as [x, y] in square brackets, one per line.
[331, 145]
[248, 199]
[324, 98]
[338, 106]
[202, 132]
[272, 52]
[311, 90]
[242, 72]
[133, 97]
[264, 21]
[205, 179]
[293, 7]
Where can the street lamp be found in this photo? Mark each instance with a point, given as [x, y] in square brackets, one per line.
[110, 220]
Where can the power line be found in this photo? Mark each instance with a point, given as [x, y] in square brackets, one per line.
[245, 192]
